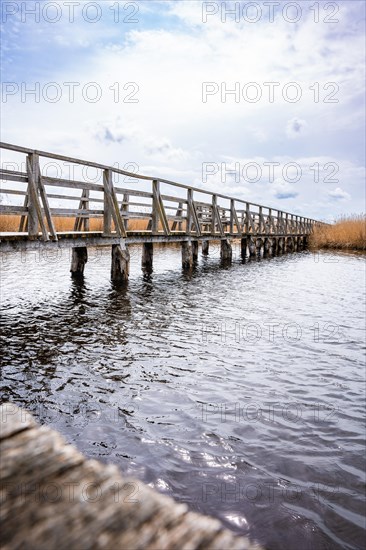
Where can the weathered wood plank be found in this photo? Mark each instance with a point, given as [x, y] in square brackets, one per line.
[14, 420]
[12, 209]
[12, 177]
[53, 498]
[72, 184]
[12, 192]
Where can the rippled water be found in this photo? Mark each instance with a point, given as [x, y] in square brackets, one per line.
[239, 390]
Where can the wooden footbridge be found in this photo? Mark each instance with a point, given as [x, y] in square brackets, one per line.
[102, 212]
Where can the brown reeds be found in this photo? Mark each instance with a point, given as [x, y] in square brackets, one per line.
[11, 224]
[348, 232]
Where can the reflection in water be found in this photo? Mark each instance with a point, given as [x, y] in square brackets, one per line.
[237, 389]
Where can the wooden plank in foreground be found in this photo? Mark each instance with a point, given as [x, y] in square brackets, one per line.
[53, 498]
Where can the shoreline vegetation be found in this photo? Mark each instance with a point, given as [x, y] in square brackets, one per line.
[347, 233]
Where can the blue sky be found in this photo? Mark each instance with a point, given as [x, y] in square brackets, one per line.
[164, 53]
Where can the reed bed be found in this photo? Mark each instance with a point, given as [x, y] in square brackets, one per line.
[11, 224]
[348, 232]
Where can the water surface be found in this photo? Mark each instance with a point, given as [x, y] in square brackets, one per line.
[239, 390]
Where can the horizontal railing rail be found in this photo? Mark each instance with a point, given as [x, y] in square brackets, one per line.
[156, 211]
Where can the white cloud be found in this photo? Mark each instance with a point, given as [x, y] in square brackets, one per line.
[170, 131]
[283, 190]
[339, 194]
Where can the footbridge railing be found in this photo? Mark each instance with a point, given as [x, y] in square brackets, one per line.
[164, 207]
[51, 200]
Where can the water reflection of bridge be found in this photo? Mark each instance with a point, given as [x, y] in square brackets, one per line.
[102, 213]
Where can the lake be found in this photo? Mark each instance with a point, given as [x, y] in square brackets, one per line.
[239, 389]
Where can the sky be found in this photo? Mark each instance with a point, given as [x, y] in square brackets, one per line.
[263, 101]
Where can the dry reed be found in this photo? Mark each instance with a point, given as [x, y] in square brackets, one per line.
[11, 224]
[348, 232]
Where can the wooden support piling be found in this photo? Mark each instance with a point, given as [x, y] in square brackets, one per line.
[205, 247]
[187, 255]
[226, 251]
[120, 269]
[252, 248]
[267, 246]
[259, 246]
[78, 260]
[243, 247]
[289, 244]
[194, 251]
[281, 245]
[147, 256]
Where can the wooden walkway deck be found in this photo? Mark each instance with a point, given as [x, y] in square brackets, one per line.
[55, 499]
[164, 211]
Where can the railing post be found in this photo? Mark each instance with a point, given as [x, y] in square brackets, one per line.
[213, 214]
[125, 209]
[155, 208]
[232, 207]
[247, 222]
[260, 225]
[189, 211]
[35, 213]
[86, 207]
[269, 222]
[111, 207]
[107, 206]
[32, 170]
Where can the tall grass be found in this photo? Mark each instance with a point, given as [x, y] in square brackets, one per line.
[11, 224]
[348, 232]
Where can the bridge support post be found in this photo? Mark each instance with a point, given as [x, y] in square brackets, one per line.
[274, 246]
[78, 260]
[305, 242]
[187, 255]
[147, 256]
[194, 251]
[252, 249]
[120, 263]
[289, 244]
[267, 246]
[298, 243]
[281, 243]
[243, 247]
[259, 246]
[205, 247]
[226, 251]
